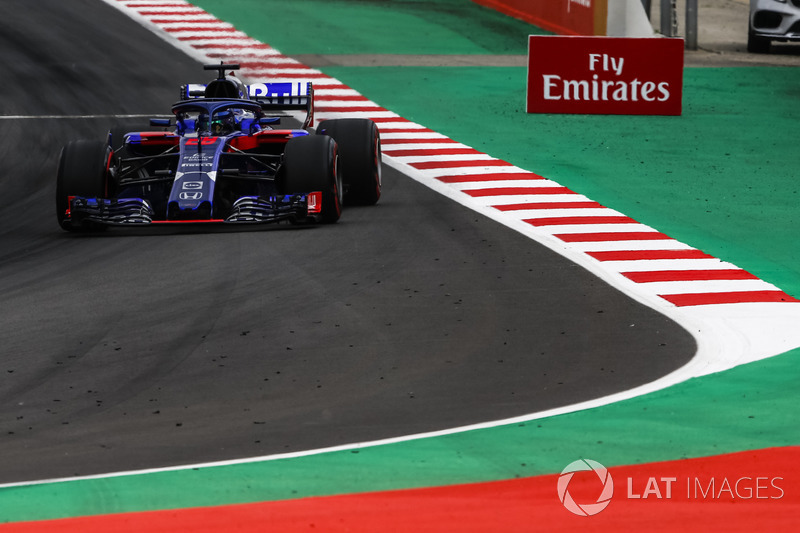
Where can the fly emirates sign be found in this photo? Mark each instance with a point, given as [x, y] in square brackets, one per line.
[605, 75]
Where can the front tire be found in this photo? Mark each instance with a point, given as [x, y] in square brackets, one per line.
[82, 171]
[360, 148]
[311, 163]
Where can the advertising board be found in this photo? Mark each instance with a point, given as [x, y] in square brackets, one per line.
[605, 75]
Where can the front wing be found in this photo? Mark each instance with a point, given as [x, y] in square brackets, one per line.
[246, 210]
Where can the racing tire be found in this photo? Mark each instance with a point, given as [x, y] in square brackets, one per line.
[82, 171]
[117, 136]
[360, 149]
[310, 164]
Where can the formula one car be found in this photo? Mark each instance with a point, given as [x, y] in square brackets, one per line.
[225, 159]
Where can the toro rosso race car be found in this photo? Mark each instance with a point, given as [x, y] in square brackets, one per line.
[225, 159]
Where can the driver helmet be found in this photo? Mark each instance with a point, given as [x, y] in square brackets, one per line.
[223, 123]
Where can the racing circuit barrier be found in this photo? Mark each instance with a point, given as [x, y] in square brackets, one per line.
[611, 18]
[618, 18]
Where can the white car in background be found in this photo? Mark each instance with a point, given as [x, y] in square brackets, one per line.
[772, 20]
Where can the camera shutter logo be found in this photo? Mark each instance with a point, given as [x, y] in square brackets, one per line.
[585, 509]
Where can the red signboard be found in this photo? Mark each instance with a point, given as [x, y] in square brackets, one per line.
[605, 75]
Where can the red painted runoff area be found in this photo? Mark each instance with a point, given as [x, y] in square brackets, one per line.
[732, 492]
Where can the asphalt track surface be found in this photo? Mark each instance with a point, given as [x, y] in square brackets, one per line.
[140, 348]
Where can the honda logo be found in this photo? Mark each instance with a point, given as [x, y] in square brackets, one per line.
[191, 195]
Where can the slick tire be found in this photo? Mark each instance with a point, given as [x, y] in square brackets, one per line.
[360, 151]
[118, 136]
[311, 163]
[82, 171]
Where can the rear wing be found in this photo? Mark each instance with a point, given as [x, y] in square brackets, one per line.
[273, 97]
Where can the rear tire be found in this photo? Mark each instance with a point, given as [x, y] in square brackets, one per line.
[82, 171]
[311, 163]
[360, 148]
